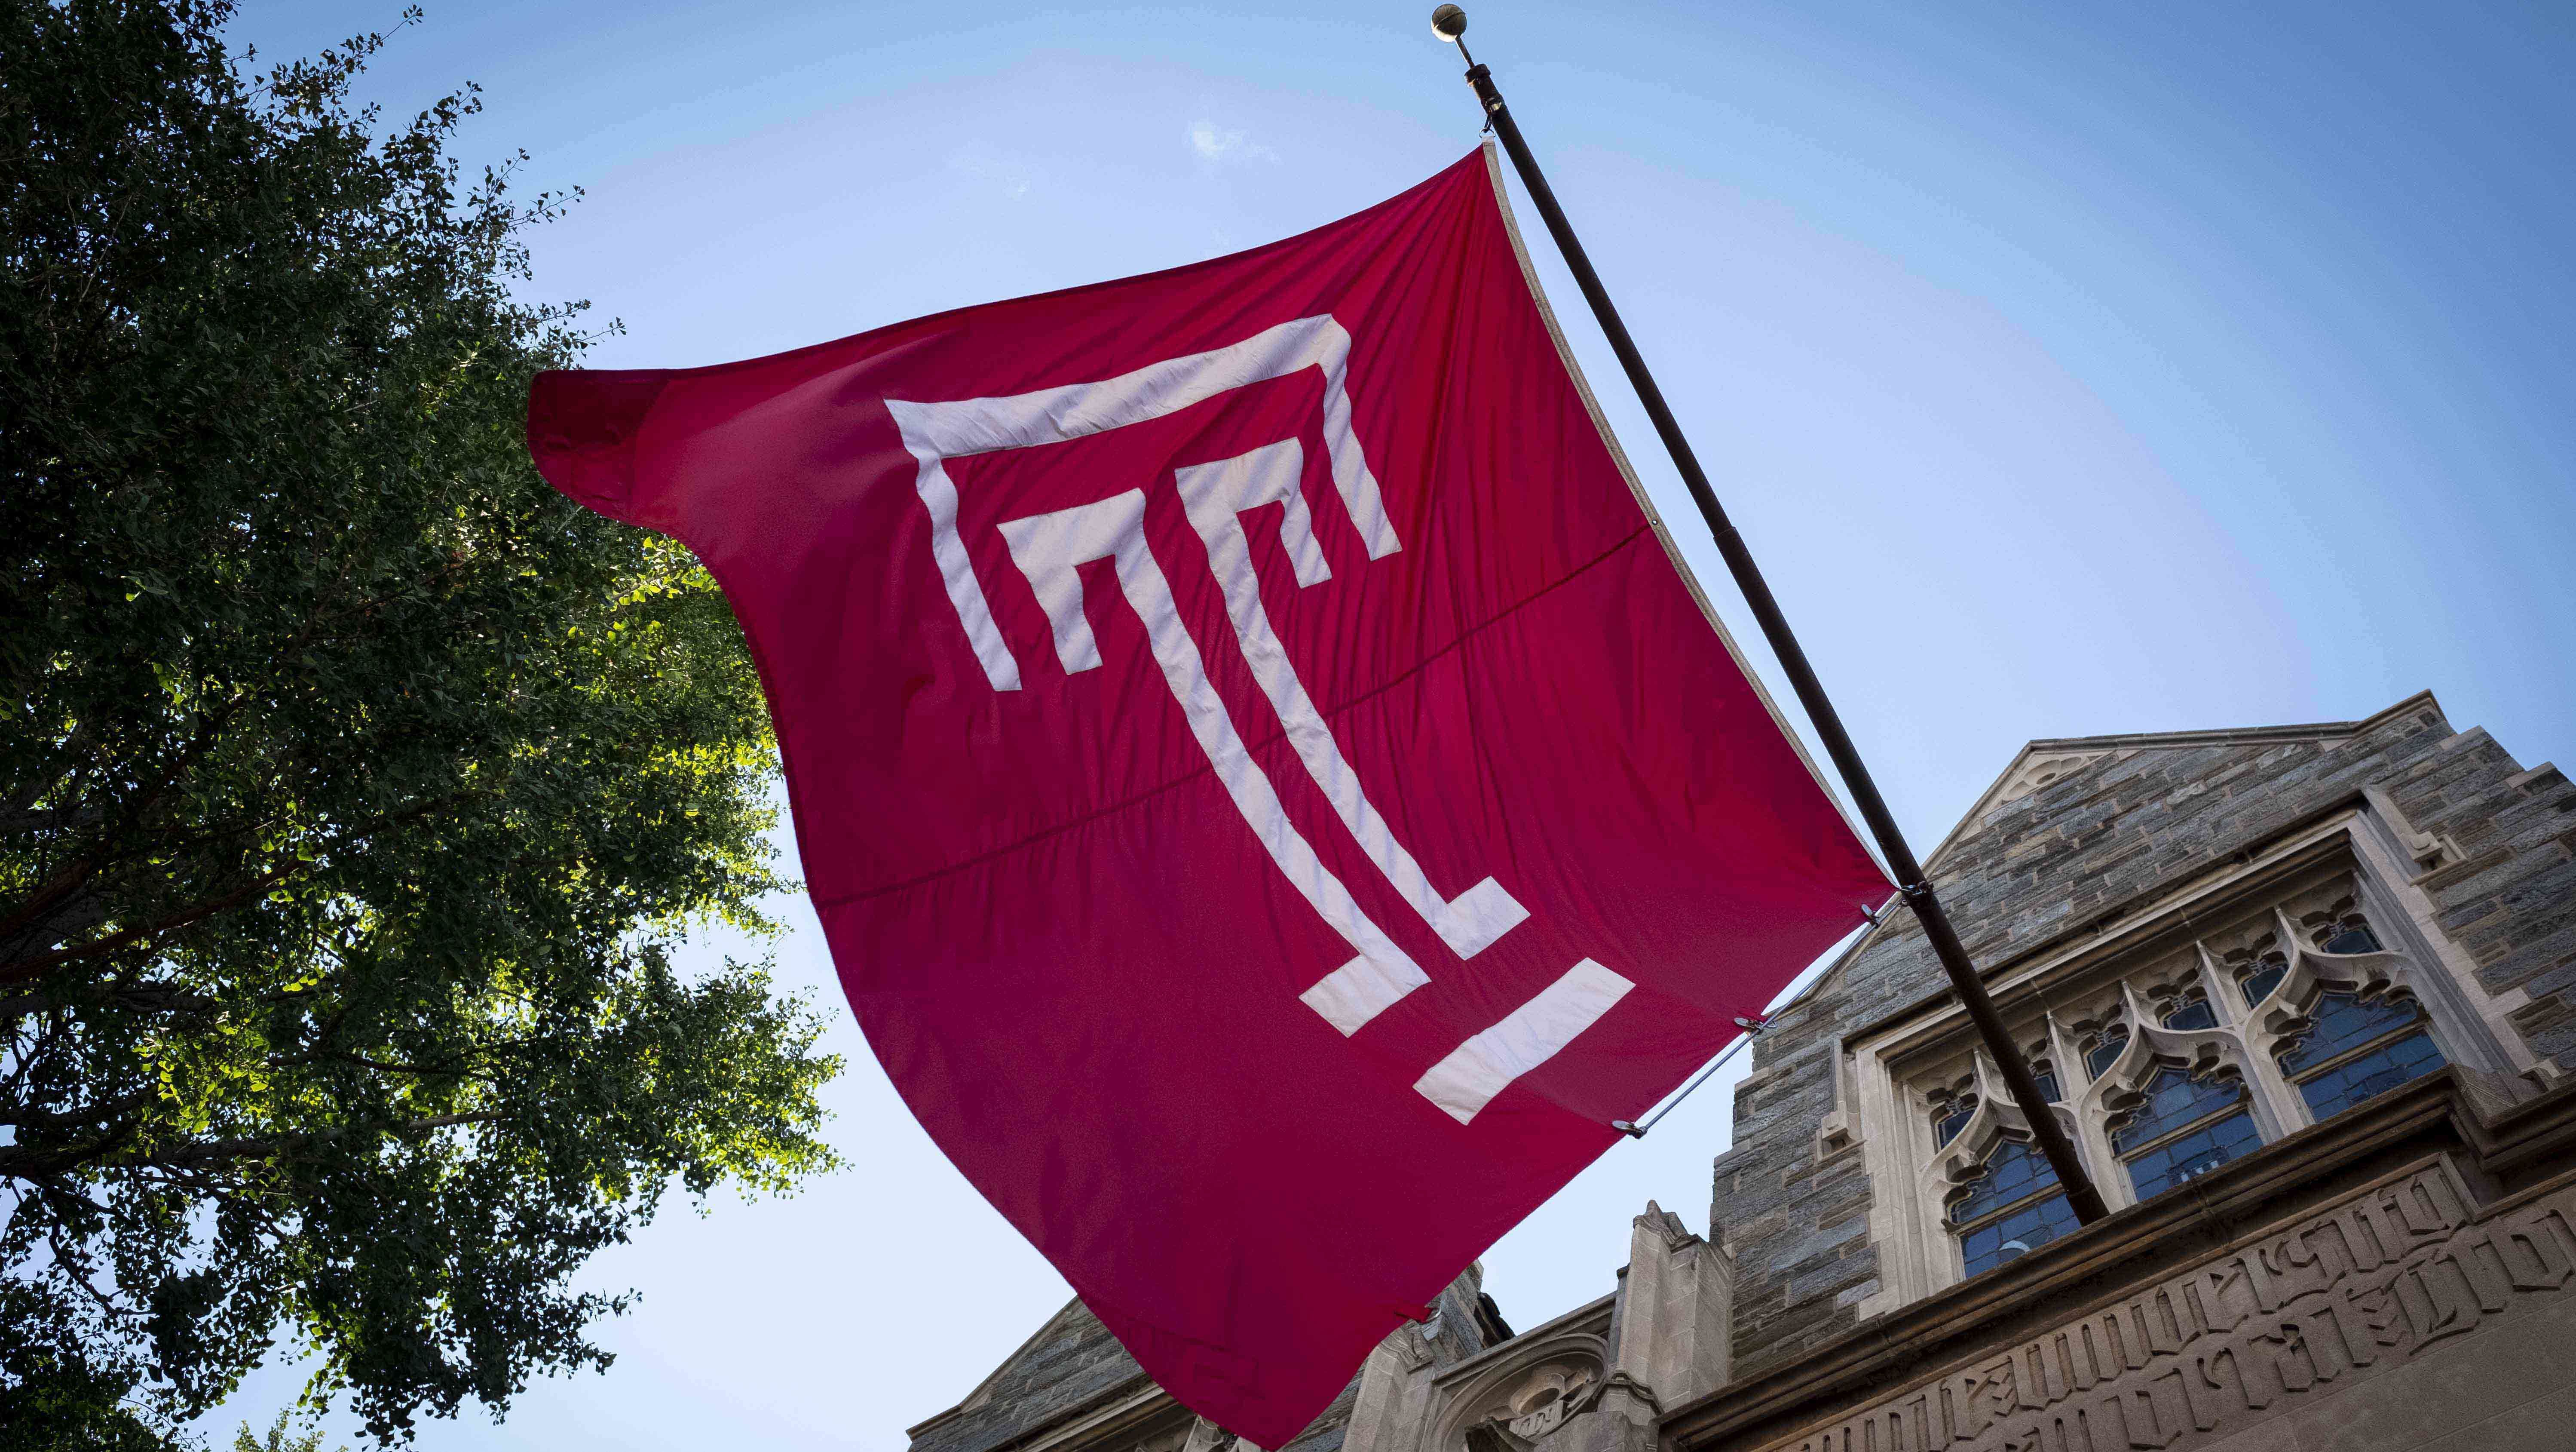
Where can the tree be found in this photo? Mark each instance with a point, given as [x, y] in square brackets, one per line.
[278, 1439]
[354, 787]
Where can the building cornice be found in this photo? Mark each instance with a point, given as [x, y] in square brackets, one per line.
[2231, 736]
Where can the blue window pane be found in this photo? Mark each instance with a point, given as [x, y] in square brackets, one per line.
[2260, 983]
[2175, 1099]
[2106, 1052]
[2377, 1072]
[2185, 1156]
[2353, 938]
[2048, 1085]
[2014, 1171]
[1947, 1124]
[2345, 1022]
[2025, 1229]
[2193, 1015]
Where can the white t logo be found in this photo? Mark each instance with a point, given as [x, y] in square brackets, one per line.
[1049, 548]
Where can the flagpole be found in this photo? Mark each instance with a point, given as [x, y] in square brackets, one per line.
[1450, 24]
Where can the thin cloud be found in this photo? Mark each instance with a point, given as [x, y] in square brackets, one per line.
[1218, 147]
[984, 165]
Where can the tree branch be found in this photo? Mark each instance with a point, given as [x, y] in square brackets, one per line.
[27, 969]
[79, 870]
[37, 1163]
[35, 966]
[106, 1109]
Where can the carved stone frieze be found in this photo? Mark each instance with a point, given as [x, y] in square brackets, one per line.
[2336, 1298]
[1521, 1403]
[1535, 1406]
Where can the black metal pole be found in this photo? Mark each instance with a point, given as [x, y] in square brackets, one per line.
[2081, 1195]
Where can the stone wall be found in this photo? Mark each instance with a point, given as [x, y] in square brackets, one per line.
[2139, 817]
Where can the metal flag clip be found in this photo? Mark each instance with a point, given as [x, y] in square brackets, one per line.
[1636, 1129]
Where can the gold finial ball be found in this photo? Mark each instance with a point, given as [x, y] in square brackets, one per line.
[1449, 22]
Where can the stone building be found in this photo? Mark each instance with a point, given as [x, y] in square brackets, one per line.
[2304, 996]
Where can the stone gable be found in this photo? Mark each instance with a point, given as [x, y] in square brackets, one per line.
[1071, 1360]
[2059, 853]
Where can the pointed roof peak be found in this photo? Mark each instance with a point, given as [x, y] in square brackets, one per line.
[2048, 760]
[2031, 769]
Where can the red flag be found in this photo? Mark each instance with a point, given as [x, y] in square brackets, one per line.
[1273, 796]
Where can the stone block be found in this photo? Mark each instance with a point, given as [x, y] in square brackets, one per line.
[1820, 1243]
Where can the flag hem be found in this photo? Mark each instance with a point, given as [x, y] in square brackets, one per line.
[1646, 505]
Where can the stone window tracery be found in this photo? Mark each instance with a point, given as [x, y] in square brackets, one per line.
[2189, 1010]
[2194, 1058]
[2241, 1006]
[2102, 1049]
[1950, 1114]
[2045, 1073]
[2257, 983]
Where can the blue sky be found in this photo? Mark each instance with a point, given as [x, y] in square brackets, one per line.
[2070, 369]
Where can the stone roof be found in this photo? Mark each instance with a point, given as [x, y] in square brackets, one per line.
[1069, 1361]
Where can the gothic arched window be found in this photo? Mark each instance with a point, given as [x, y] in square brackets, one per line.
[2333, 1012]
[2187, 1126]
[2012, 1207]
[2357, 1049]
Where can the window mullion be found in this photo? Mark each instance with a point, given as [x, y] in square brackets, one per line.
[2008, 1211]
[2168, 1137]
[2279, 1108]
[2101, 1157]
